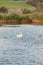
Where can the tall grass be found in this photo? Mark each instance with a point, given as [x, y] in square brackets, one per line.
[38, 16]
[14, 16]
[10, 18]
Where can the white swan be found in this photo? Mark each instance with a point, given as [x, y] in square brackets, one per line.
[20, 35]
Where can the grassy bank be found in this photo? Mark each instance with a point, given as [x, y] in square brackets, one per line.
[16, 4]
[21, 19]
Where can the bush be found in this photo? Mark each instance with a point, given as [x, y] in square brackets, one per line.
[3, 10]
[37, 16]
[26, 11]
[1, 17]
[40, 16]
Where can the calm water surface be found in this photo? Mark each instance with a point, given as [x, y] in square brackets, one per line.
[27, 50]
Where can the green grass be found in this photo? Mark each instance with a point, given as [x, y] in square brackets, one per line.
[16, 4]
[14, 16]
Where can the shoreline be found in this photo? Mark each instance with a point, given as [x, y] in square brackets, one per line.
[16, 22]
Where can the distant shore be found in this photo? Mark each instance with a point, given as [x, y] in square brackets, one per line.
[21, 19]
[15, 12]
[15, 22]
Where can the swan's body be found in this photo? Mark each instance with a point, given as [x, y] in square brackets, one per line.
[20, 35]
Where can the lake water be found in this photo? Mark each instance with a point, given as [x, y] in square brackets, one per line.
[27, 50]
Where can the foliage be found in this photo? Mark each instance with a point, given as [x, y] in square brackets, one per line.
[21, 17]
[38, 16]
[41, 0]
[26, 11]
[3, 10]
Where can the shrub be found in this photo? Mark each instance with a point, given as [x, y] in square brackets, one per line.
[1, 17]
[37, 16]
[40, 17]
[26, 11]
[3, 10]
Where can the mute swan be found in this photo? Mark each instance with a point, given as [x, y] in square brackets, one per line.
[20, 35]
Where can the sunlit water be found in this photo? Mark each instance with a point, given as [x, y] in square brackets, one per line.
[27, 50]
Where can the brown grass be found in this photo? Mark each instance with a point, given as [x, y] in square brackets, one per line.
[34, 21]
